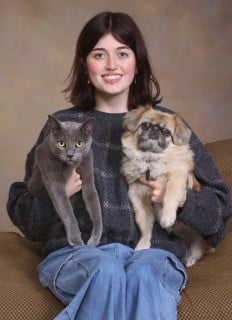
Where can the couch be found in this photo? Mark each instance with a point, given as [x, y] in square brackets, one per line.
[208, 294]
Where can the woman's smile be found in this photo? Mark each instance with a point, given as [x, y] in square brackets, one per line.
[112, 78]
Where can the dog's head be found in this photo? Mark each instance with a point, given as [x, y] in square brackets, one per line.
[155, 130]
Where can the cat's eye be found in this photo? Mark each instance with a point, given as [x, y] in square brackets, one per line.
[61, 144]
[79, 144]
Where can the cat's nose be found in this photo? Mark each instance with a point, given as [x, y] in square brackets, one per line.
[70, 156]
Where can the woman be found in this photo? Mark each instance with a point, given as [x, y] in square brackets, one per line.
[111, 74]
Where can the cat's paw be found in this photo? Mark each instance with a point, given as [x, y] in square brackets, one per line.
[75, 241]
[93, 241]
[95, 236]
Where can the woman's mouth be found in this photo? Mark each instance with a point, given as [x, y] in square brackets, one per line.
[112, 78]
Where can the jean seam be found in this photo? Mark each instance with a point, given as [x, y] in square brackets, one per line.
[168, 289]
[116, 251]
[86, 270]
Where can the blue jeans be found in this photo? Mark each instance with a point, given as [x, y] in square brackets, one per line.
[114, 282]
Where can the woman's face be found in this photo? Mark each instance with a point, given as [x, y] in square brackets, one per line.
[111, 67]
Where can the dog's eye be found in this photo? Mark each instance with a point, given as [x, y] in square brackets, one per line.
[145, 125]
[166, 132]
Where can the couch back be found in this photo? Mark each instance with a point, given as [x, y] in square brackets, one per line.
[221, 152]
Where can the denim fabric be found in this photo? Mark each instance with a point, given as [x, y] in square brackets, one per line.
[114, 282]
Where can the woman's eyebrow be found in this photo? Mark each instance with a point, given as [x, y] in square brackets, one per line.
[104, 49]
[96, 49]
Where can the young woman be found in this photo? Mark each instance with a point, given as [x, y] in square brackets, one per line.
[111, 74]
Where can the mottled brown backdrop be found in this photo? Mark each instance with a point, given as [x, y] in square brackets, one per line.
[190, 46]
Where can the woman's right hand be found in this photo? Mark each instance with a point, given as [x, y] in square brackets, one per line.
[74, 184]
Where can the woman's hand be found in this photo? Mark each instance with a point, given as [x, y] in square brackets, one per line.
[157, 190]
[74, 184]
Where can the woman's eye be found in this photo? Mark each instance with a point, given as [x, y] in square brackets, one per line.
[123, 55]
[79, 144]
[61, 144]
[99, 56]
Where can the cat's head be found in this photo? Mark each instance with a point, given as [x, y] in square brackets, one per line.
[70, 141]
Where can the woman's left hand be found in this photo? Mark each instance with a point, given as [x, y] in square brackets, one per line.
[157, 188]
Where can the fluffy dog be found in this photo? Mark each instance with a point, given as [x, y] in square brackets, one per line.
[156, 144]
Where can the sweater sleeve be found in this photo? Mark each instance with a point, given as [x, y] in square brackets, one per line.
[209, 209]
[32, 214]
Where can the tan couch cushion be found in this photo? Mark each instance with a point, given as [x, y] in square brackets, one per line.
[221, 151]
[208, 294]
[21, 295]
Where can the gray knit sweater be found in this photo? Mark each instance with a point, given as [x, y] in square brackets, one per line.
[207, 211]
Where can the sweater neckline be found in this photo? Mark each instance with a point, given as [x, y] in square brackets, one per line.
[106, 115]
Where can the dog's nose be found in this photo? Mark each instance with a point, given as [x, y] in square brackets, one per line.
[155, 132]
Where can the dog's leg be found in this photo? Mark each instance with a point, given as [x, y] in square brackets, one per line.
[145, 226]
[175, 190]
[144, 216]
[145, 221]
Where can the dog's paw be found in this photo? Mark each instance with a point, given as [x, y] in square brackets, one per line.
[167, 221]
[143, 244]
[190, 261]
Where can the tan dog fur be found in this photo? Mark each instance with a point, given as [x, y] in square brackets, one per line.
[172, 163]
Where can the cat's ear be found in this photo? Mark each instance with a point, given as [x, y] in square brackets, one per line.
[53, 122]
[87, 126]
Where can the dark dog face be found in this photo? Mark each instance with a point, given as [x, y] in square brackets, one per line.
[153, 137]
[154, 130]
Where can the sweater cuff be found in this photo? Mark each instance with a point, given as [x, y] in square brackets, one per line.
[186, 212]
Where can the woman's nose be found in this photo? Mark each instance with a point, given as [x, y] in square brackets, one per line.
[111, 62]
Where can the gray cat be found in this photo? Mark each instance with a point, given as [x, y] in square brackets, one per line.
[68, 146]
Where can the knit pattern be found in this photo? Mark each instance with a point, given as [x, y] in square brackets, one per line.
[207, 211]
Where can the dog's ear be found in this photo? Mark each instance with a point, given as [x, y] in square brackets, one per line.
[181, 133]
[132, 117]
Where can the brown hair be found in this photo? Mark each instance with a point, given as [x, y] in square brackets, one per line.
[144, 90]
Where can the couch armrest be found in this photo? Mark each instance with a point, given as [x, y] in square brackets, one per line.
[221, 151]
[208, 293]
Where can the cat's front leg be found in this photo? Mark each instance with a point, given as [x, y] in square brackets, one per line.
[63, 207]
[74, 235]
[91, 199]
[92, 202]
[70, 224]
